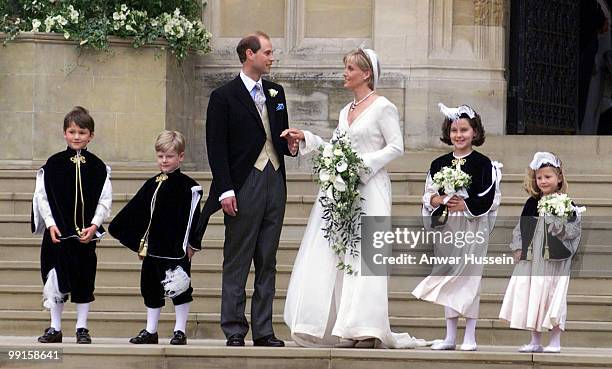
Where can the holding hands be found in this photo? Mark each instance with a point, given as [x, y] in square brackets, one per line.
[293, 137]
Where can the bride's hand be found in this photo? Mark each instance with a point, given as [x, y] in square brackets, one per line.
[293, 134]
[293, 137]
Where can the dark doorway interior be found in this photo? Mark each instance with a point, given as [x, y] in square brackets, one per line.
[551, 61]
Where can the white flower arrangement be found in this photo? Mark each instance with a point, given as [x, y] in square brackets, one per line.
[272, 92]
[91, 25]
[336, 167]
[451, 180]
[558, 205]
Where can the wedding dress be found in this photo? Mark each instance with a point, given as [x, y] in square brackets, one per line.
[323, 304]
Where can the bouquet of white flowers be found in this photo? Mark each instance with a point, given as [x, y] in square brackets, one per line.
[558, 205]
[452, 180]
[336, 167]
[556, 210]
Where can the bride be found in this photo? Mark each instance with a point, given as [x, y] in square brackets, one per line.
[325, 306]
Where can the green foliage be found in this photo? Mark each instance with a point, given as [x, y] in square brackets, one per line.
[90, 22]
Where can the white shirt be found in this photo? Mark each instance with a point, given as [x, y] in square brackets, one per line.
[42, 210]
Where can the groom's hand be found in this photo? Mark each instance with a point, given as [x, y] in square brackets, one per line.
[293, 137]
[230, 206]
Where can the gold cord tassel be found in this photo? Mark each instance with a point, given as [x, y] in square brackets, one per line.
[78, 159]
[144, 245]
[546, 248]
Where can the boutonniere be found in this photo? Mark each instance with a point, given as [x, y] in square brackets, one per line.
[272, 92]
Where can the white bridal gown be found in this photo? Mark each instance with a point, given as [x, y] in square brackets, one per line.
[324, 304]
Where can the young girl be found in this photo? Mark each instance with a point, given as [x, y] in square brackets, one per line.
[536, 297]
[457, 287]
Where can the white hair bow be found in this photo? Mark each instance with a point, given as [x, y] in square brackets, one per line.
[455, 113]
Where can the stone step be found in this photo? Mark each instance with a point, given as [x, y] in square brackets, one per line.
[592, 257]
[403, 183]
[209, 353]
[209, 276]
[296, 214]
[208, 300]
[301, 205]
[203, 325]
[580, 154]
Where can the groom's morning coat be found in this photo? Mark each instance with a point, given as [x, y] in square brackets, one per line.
[235, 136]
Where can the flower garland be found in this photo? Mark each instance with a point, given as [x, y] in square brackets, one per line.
[90, 23]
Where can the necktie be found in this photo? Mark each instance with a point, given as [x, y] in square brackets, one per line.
[258, 97]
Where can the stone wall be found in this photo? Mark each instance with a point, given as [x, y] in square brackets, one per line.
[131, 94]
[431, 50]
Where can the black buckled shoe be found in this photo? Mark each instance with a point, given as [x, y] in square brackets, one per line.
[51, 336]
[269, 341]
[145, 337]
[235, 340]
[179, 338]
[82, 336]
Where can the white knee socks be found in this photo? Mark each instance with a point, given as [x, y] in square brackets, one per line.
[469, 337]
[182, 312]
[536, 338]
[555, 337]
[451, 325]
[56, 316]
[82, 312]
[152, 319]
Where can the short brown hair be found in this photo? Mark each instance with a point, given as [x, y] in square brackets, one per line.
[170, 140]
[530, 184]
[359, 57]
[475, 123]
[79, 116]
[250, 41]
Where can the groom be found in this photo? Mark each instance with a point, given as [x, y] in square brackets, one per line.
[244, 121]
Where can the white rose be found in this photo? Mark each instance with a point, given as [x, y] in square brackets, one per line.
[116, 16]
[123, 7]
[339, 184]
[338, 152]
[35, 24]
[341, 166]
[177, 12]
[327, 161]
[327, 151]
[66, 35]
[324, 176]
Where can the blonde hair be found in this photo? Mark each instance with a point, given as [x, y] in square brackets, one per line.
[170, 140]
[359, 57]
[530, 184]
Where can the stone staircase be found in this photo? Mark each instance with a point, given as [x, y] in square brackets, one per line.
[119, 312]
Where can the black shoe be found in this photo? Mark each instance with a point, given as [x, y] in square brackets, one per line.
[82, 336]
[145, 337]
[179, 338]
[269, 341]
[235, 340]
[51, 336]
